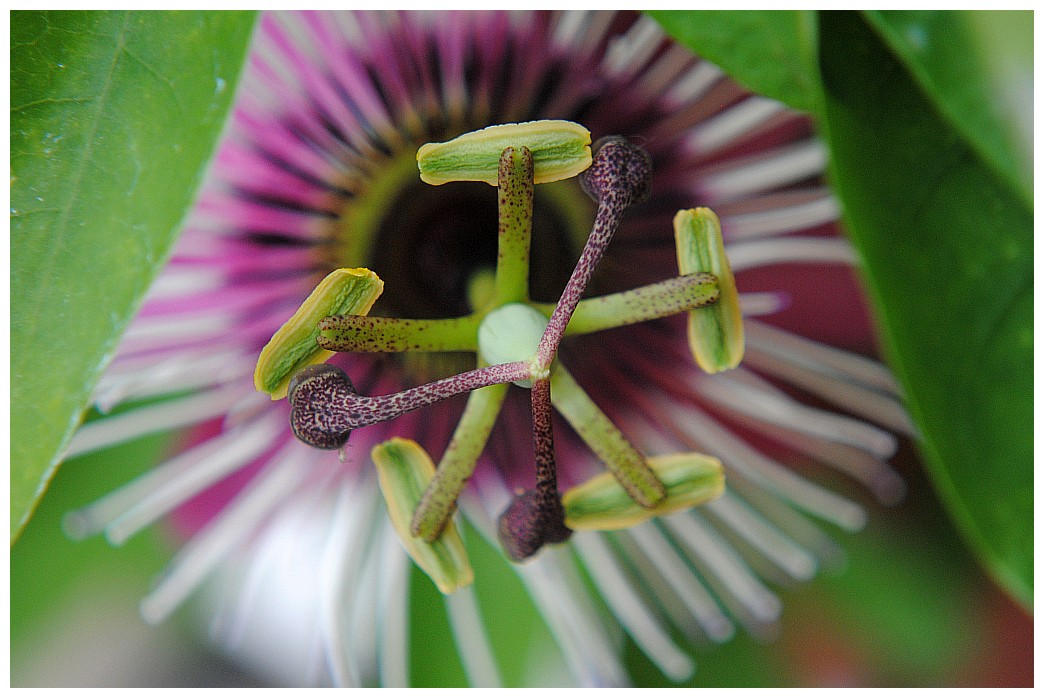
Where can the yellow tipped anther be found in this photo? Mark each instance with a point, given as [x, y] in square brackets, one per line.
[561, 149]
[602, 504]
[404, 471]
[292, 347]
[715, 331]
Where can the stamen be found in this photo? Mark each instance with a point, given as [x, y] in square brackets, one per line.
[601, 503]
[601, 435]
[715, 333]
[516, 185]
[560, 150]
[325, 407]
[293, 346]
[651, 302]
[404, 471]
[458, 462]
[358, 333]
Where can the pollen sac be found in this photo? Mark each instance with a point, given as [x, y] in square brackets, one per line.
[404, 471]
[602, 504]
[561, 149]
[715, 331]
[293, 346]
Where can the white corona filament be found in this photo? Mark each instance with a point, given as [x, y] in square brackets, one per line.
[628, 608]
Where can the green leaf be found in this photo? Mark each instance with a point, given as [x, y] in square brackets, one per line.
[113, 117]
[771, 52]
[978, 69]
[948, 253]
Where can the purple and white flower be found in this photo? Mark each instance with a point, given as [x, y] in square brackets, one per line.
[295, 557]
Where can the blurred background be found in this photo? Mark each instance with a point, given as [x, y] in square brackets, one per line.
[908, 607]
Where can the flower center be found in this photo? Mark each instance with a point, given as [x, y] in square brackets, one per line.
[429, 244]
[510, 333]
[441, 242]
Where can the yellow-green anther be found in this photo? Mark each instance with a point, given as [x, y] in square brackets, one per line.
[716, 331]
[404, 471]
[561, 149]
[602, 504]
[626, 464]
[458, 462]
[662, 299]
[293, 346]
